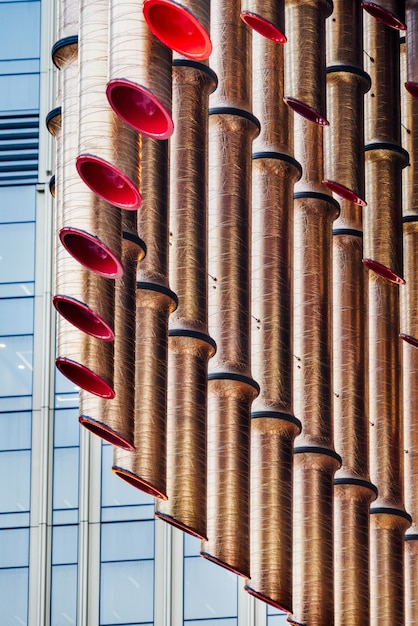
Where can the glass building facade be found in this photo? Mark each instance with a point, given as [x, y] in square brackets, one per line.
[78, 546]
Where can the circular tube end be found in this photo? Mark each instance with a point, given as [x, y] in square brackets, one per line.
[93, 254]
[83, 317]
[383, 15]
[266, 599]
[412, 88]
[178, 29]
[263, 27]
[84, 377]
[139, 108]
[181, 525]
[105, 433]
[139, 483]
[413, 341]
[383, 271]
[344, 192]
[305, 111]
[108, 182]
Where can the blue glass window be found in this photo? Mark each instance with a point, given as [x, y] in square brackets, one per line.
[65, 486]
[17, 204]
[126, 592]
[19, 92]
[14, 548]
[17, 244]
[15, 431]
[15, 491]
[16, 365]
[64, 545]
[16, 316]
[14, 596]
[210, 591]
[66, 427]
[127, 541]
[19, 30]
[64, 595]
[277, 620]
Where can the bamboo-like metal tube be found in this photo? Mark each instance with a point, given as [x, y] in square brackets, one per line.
[146, 467]
[183, 26]
[273, 425]
[113, 420]
[190, 346]
[385, 157]
[353, 491]
[389, 12]
[108, 152]
[305, 82]
[411, 21]
[388, 518]
[66, 47]
[265, 17]
[139, 87]
[231, 388]
[410, 397]
[346, 85]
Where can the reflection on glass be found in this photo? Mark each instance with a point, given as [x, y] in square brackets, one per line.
[64, 544]
[66, 427]
[209, 590]
[127, 541]
[17, 204]
[126, 592]
[14, 596]
[15, 490]
[15, 431]
[65, 481]
[64, 595]
[19, 37]
[17, 247]
[14, 548]
[16, 365]
[16, 316]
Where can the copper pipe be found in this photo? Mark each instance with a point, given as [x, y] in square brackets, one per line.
[233, 70]
[190, 346]
[231, 387]
[65, 48]
[305, 58]
[113, 420]
[139, 87]
[266, 18]
[183, 26]
[389, 12]
[410, 397]
[411, 36]
[385, 158]
[346, 85]
[108, 152]
[146, 467]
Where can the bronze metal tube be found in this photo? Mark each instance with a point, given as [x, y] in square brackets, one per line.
[107, 160]
[265, 17]
[190, 346]
[139, 87]
[183, 26]
[146, 467]
[66, 47]
[305, 82]
[411, 38]
[389, 12]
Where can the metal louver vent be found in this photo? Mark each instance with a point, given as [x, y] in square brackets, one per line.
[19, 144]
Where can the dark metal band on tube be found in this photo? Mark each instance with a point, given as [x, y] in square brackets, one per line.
[266, 17]
[139, 87]
[190, 347]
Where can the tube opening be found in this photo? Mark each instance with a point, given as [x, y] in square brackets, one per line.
[91, 252]
[412, 88]
[263, 27]
[413, 341]
[140, 109]
[306, 111]
[383, 271]
[137, 482]
[85, 378]
[105, 433]
[178, 29]
[177, 524]
[108, 182]
[267, 600]
[381, 14]
[212, 558]
[344, 192]
[83, 318]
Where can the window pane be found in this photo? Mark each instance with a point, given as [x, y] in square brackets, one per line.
[65, 488]
[19, 92]
[15, 491]
[64, 595]
[115, 491]
[64, 544]
[277, 620]
[15, 403]
[16, 290]
[212, 622]
[66, 428]
[191, 545]
[19, 30]
[14, 596]
[16, 316]
[209, 590]
[14, 548]
[63, 386]
[17, 204]
[17, 251]
[127, 541]
[15, 431]
[126, 592]
[16, 365]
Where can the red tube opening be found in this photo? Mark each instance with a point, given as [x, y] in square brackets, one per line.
[108, 182]
[344, 192]
[267, 600]
[140, 109]
[383, 15]
[85, 378]
[93, 254]
[214, 559]
[413, 341]
[83, 317]
[306, 111]
[178, 524]
[104, 432]
[137, 482]
[178, 28]
[383, 271]
[412, 88]
[263, 27]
